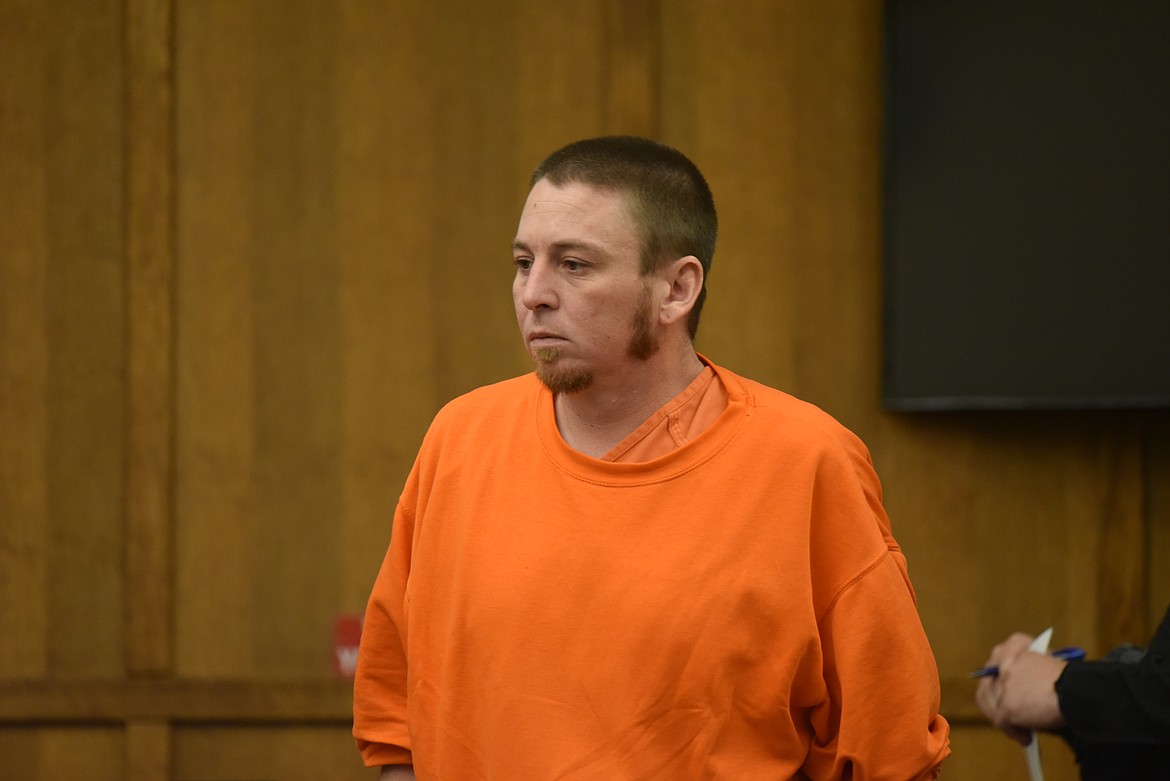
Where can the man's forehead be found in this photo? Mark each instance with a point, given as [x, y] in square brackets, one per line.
[575, 216]
[574, 196]
[579, 210]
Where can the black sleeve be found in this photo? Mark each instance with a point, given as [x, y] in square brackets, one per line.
[1120, 703]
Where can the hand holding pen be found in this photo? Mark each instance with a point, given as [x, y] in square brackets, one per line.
[1070, 654]
[1017, 687]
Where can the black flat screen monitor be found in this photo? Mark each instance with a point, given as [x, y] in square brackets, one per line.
[1027, 204]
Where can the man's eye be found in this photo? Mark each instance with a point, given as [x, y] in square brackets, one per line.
[573, 265]
[523, 264]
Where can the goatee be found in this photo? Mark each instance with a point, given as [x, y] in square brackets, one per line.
[559, 379]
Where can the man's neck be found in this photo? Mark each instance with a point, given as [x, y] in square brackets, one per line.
[594, 420]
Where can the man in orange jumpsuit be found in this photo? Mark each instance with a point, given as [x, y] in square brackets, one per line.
[633, 563]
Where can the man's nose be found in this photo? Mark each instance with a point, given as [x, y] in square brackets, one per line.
[539, 287]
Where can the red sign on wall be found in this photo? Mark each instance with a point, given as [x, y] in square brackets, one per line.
[347, 632]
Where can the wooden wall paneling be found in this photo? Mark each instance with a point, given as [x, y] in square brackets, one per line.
[728, 101]
[54, 753]
[386, 202]
[85, 316]
[150, 700]
[24, 341]
[633, 58]
[559, 89]
[260, 371]
[1122, 557]
[290, 753]
[150, 351]
[295, 296]
[836, 82]
[1006, 512]
[215, 331]
[148, 751]
[1157, 492]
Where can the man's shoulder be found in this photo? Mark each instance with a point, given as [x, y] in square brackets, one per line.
[775, 410]
[489, 402]
[496, 392]
[775, 402]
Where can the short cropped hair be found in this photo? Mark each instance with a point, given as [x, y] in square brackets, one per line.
[669, 199]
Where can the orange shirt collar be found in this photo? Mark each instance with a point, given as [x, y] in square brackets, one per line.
[675, 423]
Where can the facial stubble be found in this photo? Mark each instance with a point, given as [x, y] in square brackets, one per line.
[565, 379]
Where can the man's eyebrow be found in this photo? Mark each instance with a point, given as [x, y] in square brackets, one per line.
[561, 246]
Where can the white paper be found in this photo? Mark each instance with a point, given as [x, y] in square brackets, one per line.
[1032, 750]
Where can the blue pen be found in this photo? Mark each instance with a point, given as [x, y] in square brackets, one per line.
[1071, 654]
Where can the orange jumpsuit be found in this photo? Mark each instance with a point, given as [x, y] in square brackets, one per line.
[734, 609]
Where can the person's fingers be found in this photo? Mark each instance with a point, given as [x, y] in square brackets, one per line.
[1005, 654]
[987, 697]
[1026, 685]
[990, 692]
[1015, 645]
[1010, 648]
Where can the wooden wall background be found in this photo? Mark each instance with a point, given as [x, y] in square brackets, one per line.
[247, 249]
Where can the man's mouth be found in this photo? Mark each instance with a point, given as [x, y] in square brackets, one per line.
[542, 339]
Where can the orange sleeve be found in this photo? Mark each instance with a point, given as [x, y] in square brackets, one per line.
[880, 719]
[878, 664]
[379, 695]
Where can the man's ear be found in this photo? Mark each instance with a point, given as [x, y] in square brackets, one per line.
[684, 278]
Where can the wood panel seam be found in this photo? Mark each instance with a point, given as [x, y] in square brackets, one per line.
[150, 339]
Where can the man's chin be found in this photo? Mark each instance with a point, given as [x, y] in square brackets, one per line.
[560, 379]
